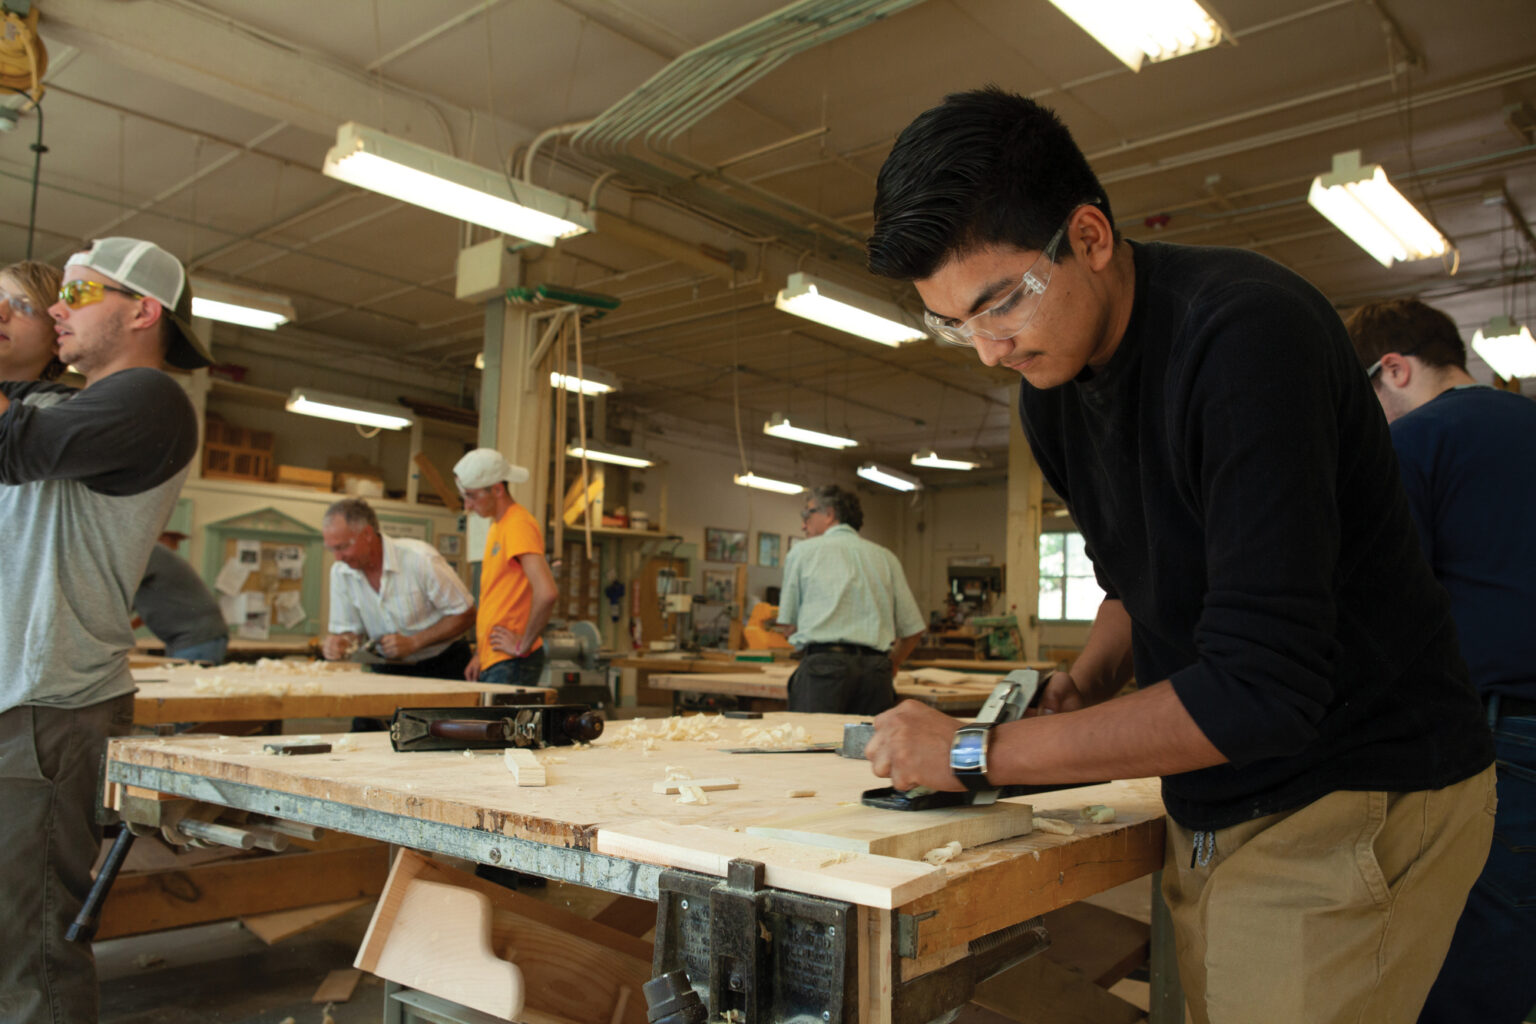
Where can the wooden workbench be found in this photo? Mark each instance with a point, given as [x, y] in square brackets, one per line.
[965, 665]
[598, 822]
[958, 698]
[241, 649]
[172, 694]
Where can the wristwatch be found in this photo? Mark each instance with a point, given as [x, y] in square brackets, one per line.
[968, 755]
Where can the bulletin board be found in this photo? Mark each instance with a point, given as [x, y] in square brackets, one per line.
[265, 567]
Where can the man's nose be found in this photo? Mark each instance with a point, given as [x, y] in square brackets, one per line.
[990, 351]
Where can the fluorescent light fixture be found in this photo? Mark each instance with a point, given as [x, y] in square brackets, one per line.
[847, 310]
[371, 159]
[764, 483]
[1362, 203]
[1145, 31]
[891, 478]
[361, 411]
[1507, 347]
[930, 460]
[778, 425]
[591, 382]
[618, 455]
[233, 304]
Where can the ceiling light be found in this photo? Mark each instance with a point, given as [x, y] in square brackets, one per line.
[930, 460]
[233, 304]
[1362, 203]
[1138, 31]
[361, 411]
[1507, 347]
[889, 477]
[846, 310]
[591, 382]
[764, 483]
[371, 159]
[619, 455]
[778, 425]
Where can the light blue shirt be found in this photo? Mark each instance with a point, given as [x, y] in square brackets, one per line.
[841, 588]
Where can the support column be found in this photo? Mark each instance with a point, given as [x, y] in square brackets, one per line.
[1025, 489]
[514, 401]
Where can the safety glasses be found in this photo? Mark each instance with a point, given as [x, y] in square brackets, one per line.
[20, 304]
[75, 294]
[1009, 317]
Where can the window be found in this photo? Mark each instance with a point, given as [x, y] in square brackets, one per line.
[1068, 589]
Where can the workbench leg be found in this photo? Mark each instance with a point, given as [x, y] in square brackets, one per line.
[1167, 996]
[394, 1013]
[876, 957]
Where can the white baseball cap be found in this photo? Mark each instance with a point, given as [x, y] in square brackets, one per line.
[484, 467]
[147, 269]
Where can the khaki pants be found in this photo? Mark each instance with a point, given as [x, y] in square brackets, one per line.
[1341, 910]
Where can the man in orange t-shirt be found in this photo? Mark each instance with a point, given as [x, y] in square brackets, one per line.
[517, 590]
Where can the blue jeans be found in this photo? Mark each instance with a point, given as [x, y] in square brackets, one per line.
[524, 671]
[209, 650]
[1490, 972]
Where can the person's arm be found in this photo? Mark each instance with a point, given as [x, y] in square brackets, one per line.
[345, 632]
[542, 583]
[1143, 733]
[1100, 671]
[127, 433]
[903, 649]
[403, 645]
[336, 646]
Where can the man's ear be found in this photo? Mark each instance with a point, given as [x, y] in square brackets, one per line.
[1396, 370]
[1091, 235]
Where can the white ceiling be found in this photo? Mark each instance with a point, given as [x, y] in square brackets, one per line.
[202, 124]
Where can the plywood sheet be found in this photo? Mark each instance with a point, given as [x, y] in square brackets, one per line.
[774, 685]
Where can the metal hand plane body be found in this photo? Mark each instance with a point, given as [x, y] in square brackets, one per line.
[494, 728]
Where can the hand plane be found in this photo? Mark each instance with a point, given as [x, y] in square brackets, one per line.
[494, 728]
[1006, 703]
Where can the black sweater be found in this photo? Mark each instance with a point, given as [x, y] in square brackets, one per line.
[1235, 483]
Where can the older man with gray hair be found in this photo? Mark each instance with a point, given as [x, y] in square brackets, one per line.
[396, 595]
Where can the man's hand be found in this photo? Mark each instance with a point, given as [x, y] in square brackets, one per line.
[506, 641]
[398, 645]
[472, 670]
[337, 646]
[911, 747]
[1061, 693]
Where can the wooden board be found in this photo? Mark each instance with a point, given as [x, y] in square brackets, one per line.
[440, 943]
[774, 685]
[172, 694]
[608, 785]
[278, 925]
[836, 874]
[337, 986]
[966, 665]
[904, 834]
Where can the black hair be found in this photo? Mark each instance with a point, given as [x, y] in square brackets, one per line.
[1408, 327]
[842, 504]
[985, 167]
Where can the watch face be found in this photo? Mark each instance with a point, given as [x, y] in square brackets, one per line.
[968, 751]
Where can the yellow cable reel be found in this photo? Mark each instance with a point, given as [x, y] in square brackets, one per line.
[23, 58]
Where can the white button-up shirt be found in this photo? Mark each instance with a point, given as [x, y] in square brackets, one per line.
[841, 588]
[416, 589]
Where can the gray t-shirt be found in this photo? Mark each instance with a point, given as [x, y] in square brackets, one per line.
[175, 604]
[87, 482]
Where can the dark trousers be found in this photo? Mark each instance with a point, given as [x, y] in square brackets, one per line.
[50, 776]
[450, 664]
[1489, 974]
[841, 683]
[524, 671]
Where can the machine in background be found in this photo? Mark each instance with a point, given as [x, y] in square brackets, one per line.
[574, 664]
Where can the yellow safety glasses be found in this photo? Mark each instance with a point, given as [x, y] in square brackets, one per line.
[75, 294]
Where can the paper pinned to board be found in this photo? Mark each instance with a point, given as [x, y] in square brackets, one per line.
[258, 618]
[232, 606]
[288, 605]
[248, 553]
[290, 562]
[231, 578]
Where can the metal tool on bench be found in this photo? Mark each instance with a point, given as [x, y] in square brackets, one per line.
[494, 728]
[1007, 703]
[574, 664]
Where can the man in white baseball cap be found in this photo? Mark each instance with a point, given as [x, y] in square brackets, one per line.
[87, 481]
[517, 590]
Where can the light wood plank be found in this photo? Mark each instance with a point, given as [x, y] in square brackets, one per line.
[440, 942]
[338, 986]
[677, 785]
[524, 766]
[278, 925]
[858, 878]
[905, 834]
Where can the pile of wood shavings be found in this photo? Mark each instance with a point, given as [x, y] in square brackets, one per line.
[292, 667]
[786, 734]
[685, 794]
[221, 686]
[646, 735]
[1055, 826]
[942, 854]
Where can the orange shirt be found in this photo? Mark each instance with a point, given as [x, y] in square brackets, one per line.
[506, 597]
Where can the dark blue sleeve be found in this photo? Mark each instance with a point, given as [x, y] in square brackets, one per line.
[124, 434]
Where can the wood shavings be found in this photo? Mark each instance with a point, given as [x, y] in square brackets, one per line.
[469, 754]
[640, 734]
[691, 795]
[221, 686]
[794, 793]
[673, 771]
[345, 744]
[786, 734]
[733, 1017]
[943, 854]
[148, 960]
[326, 1017]
[1099, 814]
[678, 785]
[1055, 826]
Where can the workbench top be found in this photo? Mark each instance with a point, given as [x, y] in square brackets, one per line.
[601, 799]
[230, 693]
